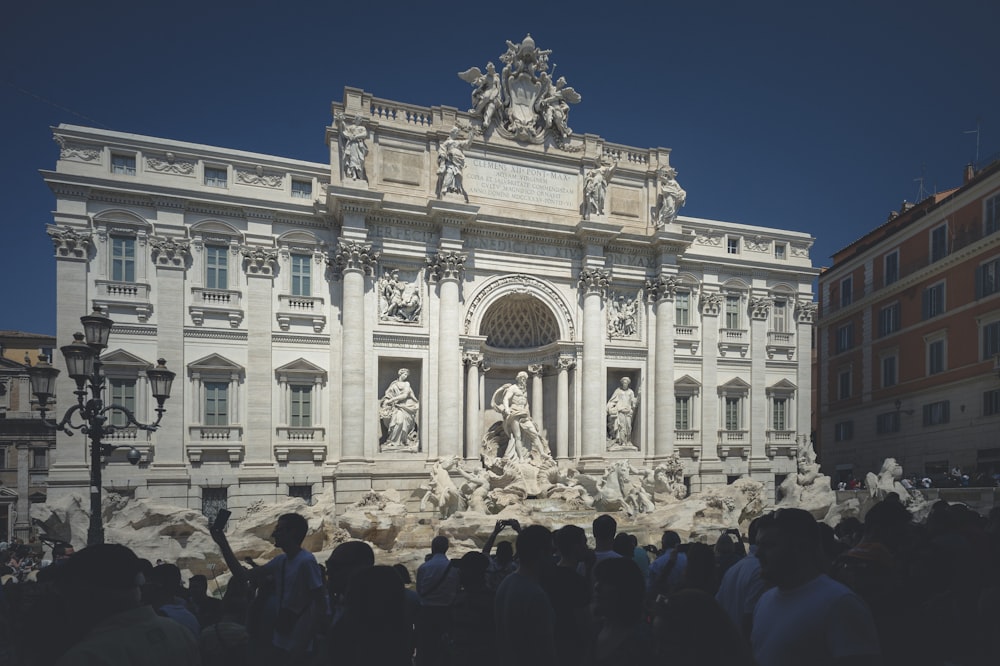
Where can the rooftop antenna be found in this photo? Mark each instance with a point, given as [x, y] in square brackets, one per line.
[921, 192]
[976, 132]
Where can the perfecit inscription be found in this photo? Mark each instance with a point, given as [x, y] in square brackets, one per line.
[539, 187]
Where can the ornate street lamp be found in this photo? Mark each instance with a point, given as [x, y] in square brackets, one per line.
[83, 362]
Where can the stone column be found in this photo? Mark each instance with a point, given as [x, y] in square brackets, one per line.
[259, 431]
[473, 417]
[594, 283]
[445, 268]
[355, 260]
[72, 251]
[662, 289]
[22, 524]
[805, 317]
[760, 308]
[535, 371]
[170, 257]
[562, 408]
[711, 306]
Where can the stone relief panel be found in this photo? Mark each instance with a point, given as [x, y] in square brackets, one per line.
[399, 301]
[77, 152]
[169, 163]
[623, 316]
[259, 177]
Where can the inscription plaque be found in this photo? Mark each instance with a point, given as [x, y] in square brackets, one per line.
[525, 184]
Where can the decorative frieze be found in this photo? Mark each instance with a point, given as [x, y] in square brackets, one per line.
[70, 243]
[76, 151]
[259, 177]
[169, 163]
[445, 266]
[757, 244]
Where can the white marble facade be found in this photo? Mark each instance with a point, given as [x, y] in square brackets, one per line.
[288, 296]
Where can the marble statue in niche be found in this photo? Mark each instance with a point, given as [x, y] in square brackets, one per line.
[354, 139]
[671, 197]
[398, 413]
[398, 301]
[524, 441]
[623, 317]
[595, 186]
[621, 414]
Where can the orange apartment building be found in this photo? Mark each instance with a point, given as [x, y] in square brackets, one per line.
[909, 339]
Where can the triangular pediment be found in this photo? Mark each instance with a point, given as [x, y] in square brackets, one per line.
[7, 364]
[784, 385]
[300, 366]
[120, 357]
[735, 384]
[215, 363]
[687, 381]
[7, 492]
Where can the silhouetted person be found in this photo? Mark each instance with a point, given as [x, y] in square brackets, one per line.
[524, 615]
[102, 583]
[617, 605]
[437, 585]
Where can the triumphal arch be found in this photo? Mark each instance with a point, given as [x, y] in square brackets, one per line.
[455, 283]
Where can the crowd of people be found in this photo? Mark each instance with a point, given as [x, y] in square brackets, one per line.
[794, 591]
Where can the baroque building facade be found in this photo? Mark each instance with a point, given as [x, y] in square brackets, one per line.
[909, 339]
[338, 327]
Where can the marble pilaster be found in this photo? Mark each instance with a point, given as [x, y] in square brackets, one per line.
[562, 408]
[594, 283]
[445, 270]
[259, 262]
[662, 289]
[170, 258]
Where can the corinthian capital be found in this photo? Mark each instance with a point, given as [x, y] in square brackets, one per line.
[70, 243]
[594, 280]
[805, 311]
[661, 287]
[445, 266]
[355, 256]
[760, 307]
[259, 261]
[170, 251]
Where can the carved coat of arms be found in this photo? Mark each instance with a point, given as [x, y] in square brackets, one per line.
[522, 101]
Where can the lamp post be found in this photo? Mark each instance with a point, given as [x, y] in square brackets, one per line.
[83, 362]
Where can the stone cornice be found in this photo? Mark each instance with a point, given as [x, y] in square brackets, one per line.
[291, 338]
[215, 334]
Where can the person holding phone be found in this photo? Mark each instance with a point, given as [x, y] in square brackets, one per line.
[302, 604]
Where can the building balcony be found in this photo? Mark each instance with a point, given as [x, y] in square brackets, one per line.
[687, 443]
[733, 442]
[216, 303]
[126, 296]
[780, 443]
[222, 442]
[307, 309]
[780, 343]
[687, 337]
[733, 341]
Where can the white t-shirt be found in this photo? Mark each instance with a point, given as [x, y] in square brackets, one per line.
[297, 579]
[814, 624]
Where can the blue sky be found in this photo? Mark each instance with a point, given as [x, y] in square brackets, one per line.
[817, 117]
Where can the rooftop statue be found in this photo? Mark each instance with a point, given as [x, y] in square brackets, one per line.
[671, 197]
[451, 163]
[522, 100]
[595, 186]
[354, 139]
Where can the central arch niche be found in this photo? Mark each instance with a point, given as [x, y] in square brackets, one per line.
[519, 321]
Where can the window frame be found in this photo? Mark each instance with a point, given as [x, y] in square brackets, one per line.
[298, 193]
[123, 164]
[844, 338]
[846, 291]
[212, 272]
[930, 307]
[780, 251]
[118, 389]
[682, 296]
[991, 402]
[935, 354]
[894, 254]
[937, 243]
[210, 396]
[884, 358]
[845, 383]
[733, 245]
[936, 413]
[843, 431]
[989, 339]
[734, 315]
[301, 281]
[889, 319]
[988, 277]
[991, 214]
[887, 423]
[123, 267]
[215, 176]
[297, 417]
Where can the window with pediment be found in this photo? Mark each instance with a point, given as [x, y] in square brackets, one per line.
[126, 386]
[301, 383]
[686, 392]
[215, 387]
